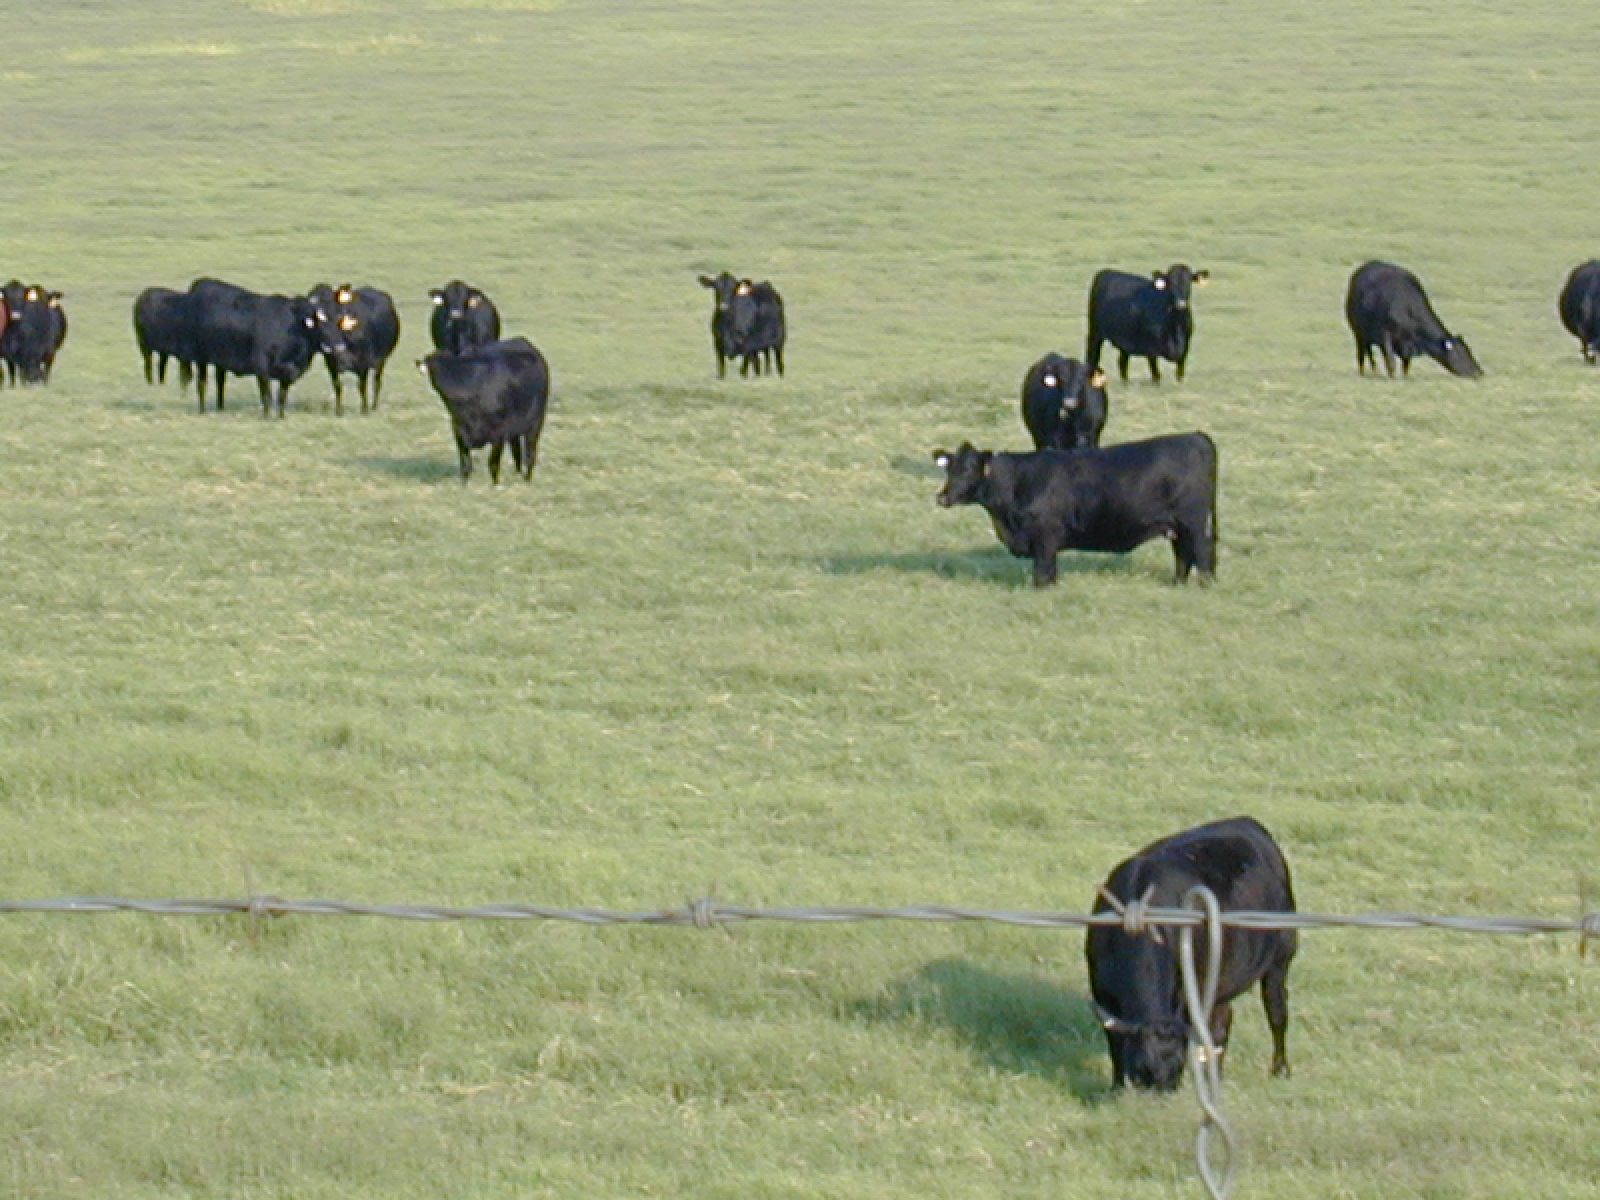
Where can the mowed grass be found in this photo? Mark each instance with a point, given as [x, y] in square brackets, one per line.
[725, 640]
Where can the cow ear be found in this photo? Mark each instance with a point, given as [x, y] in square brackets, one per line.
[474, 301]
[707, 281]
[941, 459]
[55, 299]
[1098, 379]
[436, 296]
[344, 295]
[1201, 276]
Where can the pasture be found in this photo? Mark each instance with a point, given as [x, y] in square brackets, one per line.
[725, 637]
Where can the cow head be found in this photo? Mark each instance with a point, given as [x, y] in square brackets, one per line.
[319, 312]
[966, 475]
[1147, 1053]
[1453, 354]
[724, 285]
[1177, 281]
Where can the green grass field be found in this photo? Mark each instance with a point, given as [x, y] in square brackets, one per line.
[726, 639]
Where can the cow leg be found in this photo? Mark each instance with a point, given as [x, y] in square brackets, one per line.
[221, 379]
[1122, 364]
[1044, 567]
[516, 454]
[185, 374]
[466, 459]
[264, 386]
[777, 353]
[362, 377]
[148, 376]
[1182, 362]
[495, 451]
[338, 389]
[1405, 364]
[1155, 369]
[283, 396]
[200, 384]
[1386, 344]
[722, 366]
[1221, 1027]
[1275, 999]
[377, 385]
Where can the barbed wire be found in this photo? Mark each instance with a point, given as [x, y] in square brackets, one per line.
[709, 913]
[1135, 917]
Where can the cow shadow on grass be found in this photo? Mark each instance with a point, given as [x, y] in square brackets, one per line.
[429, 469]
[992, 564]
[1014, 1023]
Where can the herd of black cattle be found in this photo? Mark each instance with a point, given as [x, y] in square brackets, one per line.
[1069, 494]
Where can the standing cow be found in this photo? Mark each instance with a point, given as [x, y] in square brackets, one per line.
[1112, 499]
[1136, 979]
[1580, 308]
[495, 394]
[1063, 403]
[271, 338]
[1149, 317]
[463, 317]
[35, 328]
[1388, 311]
[367, 325]
[747, 323]
[161, 327]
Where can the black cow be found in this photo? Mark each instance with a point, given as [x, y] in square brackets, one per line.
[1136, 979]
[747, 323]
[1580, 307]
[1388, 310]
[463, 317]
[1063, 403]
[495, 394]
[161, 326]
[35, 328]
[369, 328]
[1112, 498]
[1149, 317]
[273, 338]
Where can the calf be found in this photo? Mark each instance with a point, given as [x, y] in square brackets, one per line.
[35, 328]
[1111, 499]
[1136, 979]
[1580, 308]
[366, 323]
[463, 317]
[495, 394]
[1388, 310]
[747, 323]
[1063, 403]
[273, 338]
[1149, 317]
[161, 326]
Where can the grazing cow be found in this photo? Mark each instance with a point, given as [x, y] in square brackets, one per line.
[1149, 317]
[1112, 499]
[1136, 979]
[1063, 404]
[495, 394]
[1580, 308]
[463, 317]
[35, 327]
[273, 338]
[747, 323]
[369, 328]
[1388, 310]
[161, 327]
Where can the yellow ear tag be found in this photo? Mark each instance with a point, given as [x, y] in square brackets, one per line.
[1098, 379]
[743, 289]
[345, 295]
[347, 323]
